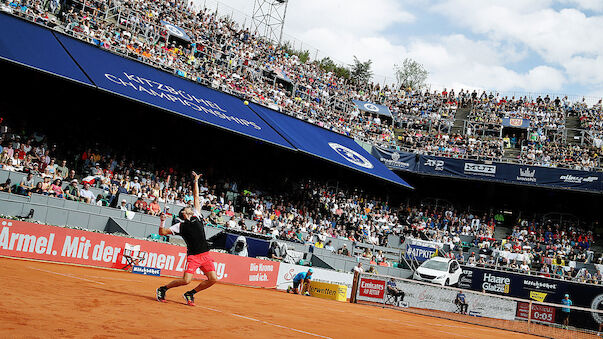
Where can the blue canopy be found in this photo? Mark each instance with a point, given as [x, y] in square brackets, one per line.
[326, 144]
[155, 87]
[372, 108]
[34, 46]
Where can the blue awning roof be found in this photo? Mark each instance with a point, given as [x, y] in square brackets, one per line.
[152, 86]
[326, 144]
[36, 47]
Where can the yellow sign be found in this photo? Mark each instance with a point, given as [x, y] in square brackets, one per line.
[538, 296]
[328, 291]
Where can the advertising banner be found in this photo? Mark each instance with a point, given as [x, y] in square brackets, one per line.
[516, 122]
[539, 289]
[326, 144]
[371, 289]
[176, 31]
[328, 291]
[35, 241]
[151, 86]
[419, 253]
[396, 160]
[286, 273]
[426, 296]
[437, 298]
[511, 173]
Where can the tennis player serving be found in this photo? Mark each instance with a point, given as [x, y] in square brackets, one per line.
[197, 254]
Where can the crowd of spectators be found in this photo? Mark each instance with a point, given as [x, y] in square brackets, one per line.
[311, 212]
[226, 56]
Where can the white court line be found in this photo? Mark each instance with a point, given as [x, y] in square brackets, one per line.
[267, 323]
[423, 325]
[66, 275]
[120, 279]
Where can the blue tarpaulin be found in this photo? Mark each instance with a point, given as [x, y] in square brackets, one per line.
[372, 108]
[34, 46]
[152, 86]
[326, 144]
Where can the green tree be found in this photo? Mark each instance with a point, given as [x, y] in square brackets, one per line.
[360, 72]
[411, 74]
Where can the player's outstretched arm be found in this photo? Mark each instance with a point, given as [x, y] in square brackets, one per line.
[196, 199]
[163, 230]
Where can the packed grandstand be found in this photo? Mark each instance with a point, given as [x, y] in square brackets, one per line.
[312, 214]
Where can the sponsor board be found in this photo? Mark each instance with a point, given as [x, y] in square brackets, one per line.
[495, 283]
[442, 299]
[480, 169]
[35, 241]
[437, 165]
[420, 253]
[328, 291]
[286, 272]
[538, 296]
[568, 178]
[526, 174]
[466, 279]
[146, 270]
[540, 313]
[371, 288]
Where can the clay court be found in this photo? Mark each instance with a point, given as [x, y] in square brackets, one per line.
[53, 300]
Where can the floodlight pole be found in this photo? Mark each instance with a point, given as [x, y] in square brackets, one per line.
[268, 19]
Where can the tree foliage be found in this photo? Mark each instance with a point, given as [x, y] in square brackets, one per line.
[329, 65]
[411, 74]
[360, 72]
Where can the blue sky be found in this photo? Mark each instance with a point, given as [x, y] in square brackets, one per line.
[550, 46]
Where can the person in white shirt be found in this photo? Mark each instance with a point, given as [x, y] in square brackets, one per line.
[87, 194]
[358, 268]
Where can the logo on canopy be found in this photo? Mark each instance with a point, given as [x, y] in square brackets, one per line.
[351, 155]
[174, 30]
[371, 107]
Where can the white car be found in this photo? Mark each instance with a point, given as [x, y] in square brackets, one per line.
[438, 270]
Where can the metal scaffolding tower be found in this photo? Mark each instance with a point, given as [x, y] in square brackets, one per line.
[269, 18]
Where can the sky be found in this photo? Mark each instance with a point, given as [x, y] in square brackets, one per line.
[535, 46]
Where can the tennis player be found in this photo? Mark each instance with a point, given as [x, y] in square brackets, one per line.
[301, 277]
[197, 254]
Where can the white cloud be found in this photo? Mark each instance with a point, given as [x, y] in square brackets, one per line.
[485, 43]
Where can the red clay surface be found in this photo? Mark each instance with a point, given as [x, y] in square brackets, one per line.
[43, 300]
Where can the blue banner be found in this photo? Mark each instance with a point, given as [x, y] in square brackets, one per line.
[155, 87]
[176, 31]
[372, 108]
[396, 160]
[419, 253]
[34, 46]
[511, 173]
[516, 122]
[326, 144]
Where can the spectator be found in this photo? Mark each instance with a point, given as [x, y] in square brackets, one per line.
[123, 205]
[6, 186]
[87, 195]
[26, 184]
[72, 192]
[56, 189]
[330, 247]
[154, 208]
[358, 268]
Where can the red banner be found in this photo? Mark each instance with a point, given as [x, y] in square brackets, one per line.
[539, 312]
[371, 288]
[36, 241]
